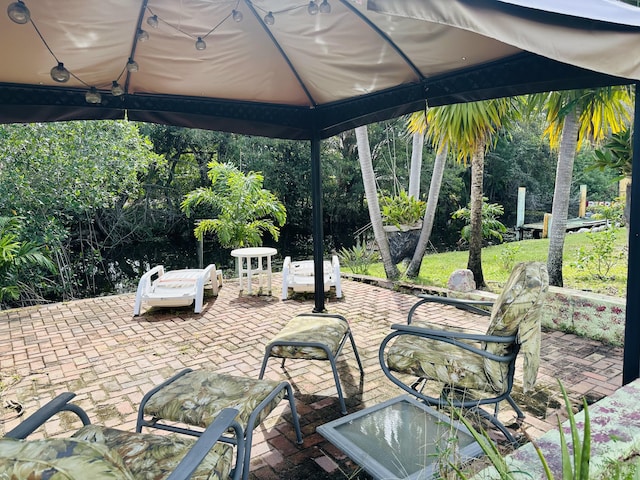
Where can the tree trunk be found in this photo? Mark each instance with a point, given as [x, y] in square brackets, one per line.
[475, 240]
[369, 181]
[561, 193]
[430, 213]
[416, 165]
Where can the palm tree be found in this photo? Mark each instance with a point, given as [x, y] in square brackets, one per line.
[417, 125]
[243, 210]
[369, 181]
[467, 129]
[574, 117]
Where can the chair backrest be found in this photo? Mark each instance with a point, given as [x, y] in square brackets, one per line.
[517, 311]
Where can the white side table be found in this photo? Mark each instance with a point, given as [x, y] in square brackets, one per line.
[253, 261]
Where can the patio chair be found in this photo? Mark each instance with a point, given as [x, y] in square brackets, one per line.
[176, 288]
[299, 276]
[187, 402]
[472, 369]
[313, 336]
[99, 453]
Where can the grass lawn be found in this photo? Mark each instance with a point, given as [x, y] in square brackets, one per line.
[436, 268]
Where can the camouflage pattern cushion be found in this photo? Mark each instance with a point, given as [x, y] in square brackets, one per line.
[305, 329]
[59, 459]
[436, 360]
[154, 457]
[199, 396]
[517, 312]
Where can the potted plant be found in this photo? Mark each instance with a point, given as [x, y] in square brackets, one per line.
[402, 218]
[401, 212]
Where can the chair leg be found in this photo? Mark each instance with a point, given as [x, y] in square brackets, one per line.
[499, 425]
[336, 378]
[355, 350]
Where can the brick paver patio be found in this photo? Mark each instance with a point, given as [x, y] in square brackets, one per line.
[96, 348]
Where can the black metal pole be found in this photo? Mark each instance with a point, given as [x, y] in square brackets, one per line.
[631, 365]
[318, 234]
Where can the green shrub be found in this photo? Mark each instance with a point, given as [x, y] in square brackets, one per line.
[600, 257]
[358, 258]
[491, 226]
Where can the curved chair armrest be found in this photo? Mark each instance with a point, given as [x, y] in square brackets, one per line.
[44, 413]
[454, 338]
[461, 303]
[206, 441]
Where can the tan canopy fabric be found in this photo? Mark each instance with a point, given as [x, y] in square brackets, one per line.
[273, 68]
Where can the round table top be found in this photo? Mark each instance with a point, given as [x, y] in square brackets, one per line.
[253, 252]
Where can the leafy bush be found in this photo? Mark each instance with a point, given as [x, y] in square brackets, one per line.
[358, 258]
[401, 209]
[491, 226]
[508, 256]
[613, 212]
[601, 256]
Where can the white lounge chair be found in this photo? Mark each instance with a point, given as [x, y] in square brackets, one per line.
[299, 276]
[176, 288]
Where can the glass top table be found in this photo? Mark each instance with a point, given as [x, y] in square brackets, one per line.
[401, 439]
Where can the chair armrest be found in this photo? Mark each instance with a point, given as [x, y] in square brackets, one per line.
[461, 303]
[206, 441]
[44, 413]
[454, 338]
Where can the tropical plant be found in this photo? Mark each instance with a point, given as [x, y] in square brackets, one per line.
[574, 117]
[401, 209]
[369, 181]
[243, 210]
[601, 256]
[358, 258]
[468, 129]
[491, 226]
[16, 256]
[508, 256]
[575, 464]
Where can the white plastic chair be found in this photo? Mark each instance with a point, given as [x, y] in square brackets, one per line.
[299, 276]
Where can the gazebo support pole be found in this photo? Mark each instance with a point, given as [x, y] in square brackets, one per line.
[318, 234]
[631, 365]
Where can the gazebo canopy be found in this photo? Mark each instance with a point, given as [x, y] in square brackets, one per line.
[310, 69]
[272, 68]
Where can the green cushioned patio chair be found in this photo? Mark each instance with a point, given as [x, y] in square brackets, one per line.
[97, 453]
[473, 369]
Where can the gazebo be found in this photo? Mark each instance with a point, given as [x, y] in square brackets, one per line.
[308, 70]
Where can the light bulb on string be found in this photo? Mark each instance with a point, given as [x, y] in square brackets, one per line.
[142, 35]
[132, 65]
[59, 73]
[312, 8]
[18, 12]
[153, 21]
[269, 19]
[200, 44]
[237, 15]
[116, 89]
[93, 96]
[325, 7]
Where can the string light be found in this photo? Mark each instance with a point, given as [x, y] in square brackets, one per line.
[200, 44]
[116, 89]
[59, 73]
[93, 96]
[325, 7]
[132, 66]
[153, 21]
[142, 35]
[18, 12]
